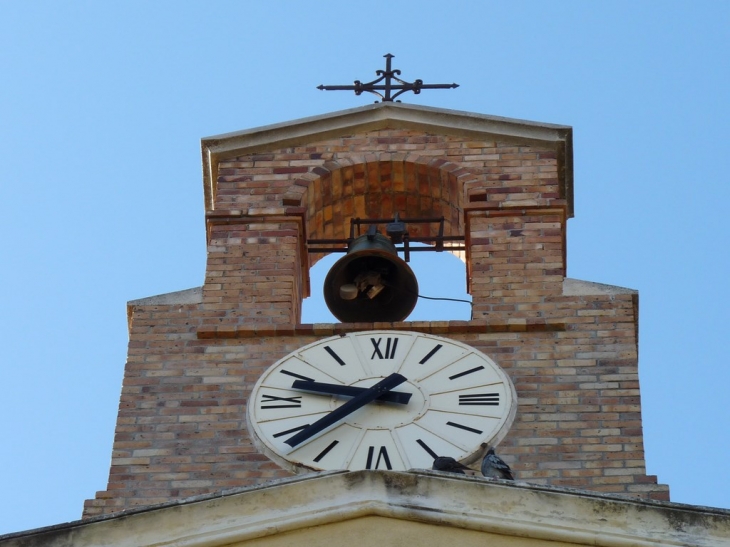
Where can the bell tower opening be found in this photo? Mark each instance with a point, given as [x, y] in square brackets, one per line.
[385, 185]
[441, 287]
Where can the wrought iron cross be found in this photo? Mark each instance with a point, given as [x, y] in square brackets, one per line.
[388, 87]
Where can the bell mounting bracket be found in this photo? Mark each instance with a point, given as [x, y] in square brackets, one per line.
[396, 230]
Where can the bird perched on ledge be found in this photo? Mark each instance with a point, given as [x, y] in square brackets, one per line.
[447, 463]
[494, 467]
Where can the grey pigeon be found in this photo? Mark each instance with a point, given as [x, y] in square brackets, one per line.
[494, 467]
[447, 463]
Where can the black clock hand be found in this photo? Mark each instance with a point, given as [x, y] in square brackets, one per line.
[400, 397]
[365, 397]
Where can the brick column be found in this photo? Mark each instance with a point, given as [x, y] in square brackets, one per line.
[256, 269]
[515, 258]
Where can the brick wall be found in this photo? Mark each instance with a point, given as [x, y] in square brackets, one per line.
[192, 361]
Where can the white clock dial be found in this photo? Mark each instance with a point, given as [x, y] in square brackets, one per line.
[450, 400]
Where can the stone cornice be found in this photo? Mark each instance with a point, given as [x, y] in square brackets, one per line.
[331, 329]
[460, 503]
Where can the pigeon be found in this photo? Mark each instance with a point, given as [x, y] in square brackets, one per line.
[494, 467]
[447, 463]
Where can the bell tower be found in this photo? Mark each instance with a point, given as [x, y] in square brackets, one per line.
[503, 191]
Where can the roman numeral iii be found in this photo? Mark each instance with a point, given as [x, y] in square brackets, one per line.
[479, 399]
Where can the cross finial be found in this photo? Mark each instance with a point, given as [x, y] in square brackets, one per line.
[387, 75]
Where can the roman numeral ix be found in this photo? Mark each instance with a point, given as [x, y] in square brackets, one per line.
[288, 402]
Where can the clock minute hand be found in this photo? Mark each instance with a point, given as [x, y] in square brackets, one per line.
[365, 397]
[400, 397]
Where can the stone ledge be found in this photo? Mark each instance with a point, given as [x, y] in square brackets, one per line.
[331, 329]
[418, 507]
[579, 287]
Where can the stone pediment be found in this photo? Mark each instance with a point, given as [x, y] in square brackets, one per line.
[379, 116]
[388, 508]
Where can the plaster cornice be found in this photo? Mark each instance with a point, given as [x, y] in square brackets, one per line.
[482, 505]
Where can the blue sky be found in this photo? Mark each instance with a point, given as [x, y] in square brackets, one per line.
[103, 106]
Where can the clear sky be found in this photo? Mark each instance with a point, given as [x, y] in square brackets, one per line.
[102, 108]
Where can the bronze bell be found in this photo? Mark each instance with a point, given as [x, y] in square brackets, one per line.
[371, 283]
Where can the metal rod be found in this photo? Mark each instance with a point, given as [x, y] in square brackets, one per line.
[401, 249]
[423, 239]
[389, 75]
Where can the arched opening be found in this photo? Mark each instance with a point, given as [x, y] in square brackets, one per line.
[439, 275]
[379, 188]
[415, 188]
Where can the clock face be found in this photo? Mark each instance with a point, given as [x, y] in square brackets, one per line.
[307, 411]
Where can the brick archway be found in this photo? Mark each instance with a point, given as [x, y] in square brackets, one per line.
[378, 186]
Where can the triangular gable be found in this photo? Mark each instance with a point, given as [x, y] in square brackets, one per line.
[387, 116]
[388, 508]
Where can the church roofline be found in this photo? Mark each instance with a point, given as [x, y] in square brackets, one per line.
[579, 287]
[460, 502]
[386, 116]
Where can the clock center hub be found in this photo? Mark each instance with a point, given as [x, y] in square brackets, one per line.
[384, 414]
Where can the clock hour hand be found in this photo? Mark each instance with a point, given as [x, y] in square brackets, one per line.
[400, 397]
[365, 397]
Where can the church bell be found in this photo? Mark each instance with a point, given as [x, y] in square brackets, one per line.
[371, 283]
